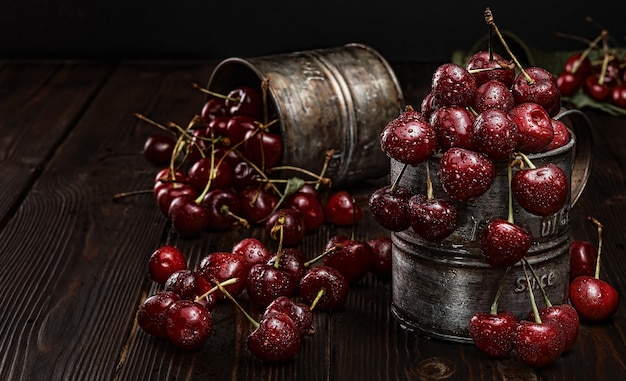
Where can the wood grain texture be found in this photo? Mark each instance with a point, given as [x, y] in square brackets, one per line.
[74, 262]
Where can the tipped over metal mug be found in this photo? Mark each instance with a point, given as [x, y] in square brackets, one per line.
[437, 287]
[335, 99]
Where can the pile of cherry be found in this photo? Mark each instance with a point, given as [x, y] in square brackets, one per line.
[473, 117]
[287, 285]
[219, 175]
[222, 171]
[598, 72]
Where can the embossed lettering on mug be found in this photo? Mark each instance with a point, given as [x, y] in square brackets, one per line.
[545, 280]
[552, 225]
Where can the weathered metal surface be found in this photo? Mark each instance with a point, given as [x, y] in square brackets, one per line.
[337, 98]
[438, 286]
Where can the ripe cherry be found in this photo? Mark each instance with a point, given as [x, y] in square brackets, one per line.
[310, 209]
[542, 190]
[382, 248]
[158, 149]
[453, 85]
[300, 313]
[388, 207]
[582, 259]
[594, 298]
[244, 100]
[253, 250]
[165, 261]
[537, 85]
[276, 339]
[488, 65]
[495, 134]
[534, 126]
[151, 314]
[341, 209]
[222, 266]
[352, 258]
[493, 333]
[409, 138]
[465, 174]
[323, 288]
[188, 324]
[453, 127]
[188, 217]
[286, 225]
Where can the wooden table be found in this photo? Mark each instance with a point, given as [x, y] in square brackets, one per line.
[73, 263]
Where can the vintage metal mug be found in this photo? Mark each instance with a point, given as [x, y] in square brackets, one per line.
[436, 287]
[338, 98]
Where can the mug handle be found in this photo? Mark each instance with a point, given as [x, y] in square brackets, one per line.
[583, 150]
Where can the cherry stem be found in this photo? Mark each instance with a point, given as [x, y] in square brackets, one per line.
[327, 158]
[265, 84]
[323, 180]
[232, 299]
[212, 290]
[331, 249]
[146, 119]
[396, 182]
[599, 227]
[606, 57]
[490, 21]
[240, 220]
[494, 305]
[213, 93]
[278, 226]
[510, 217]
[319, 296]
[527, 160]
[119, 196]
[353, 219]
[429, 183]
[536, 277]
[266, 179]
[532, 296]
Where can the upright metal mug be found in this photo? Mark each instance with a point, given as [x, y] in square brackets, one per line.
[437, 287]
[338, 98]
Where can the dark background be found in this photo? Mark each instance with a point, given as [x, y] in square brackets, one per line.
[200, 29]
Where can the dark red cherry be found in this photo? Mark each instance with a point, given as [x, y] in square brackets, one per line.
[244, 100]
[253, 250]
[223, 206]
[382, 250]
[263, 148]
[222, 266]
[213, 108]
[257, 204]
[353, 259]
[276, 339]
[388, 207]
[300, 313]
[151, 313]
[342, 209]
[187, 216]
[158, 149]
[165, 261]
[188, 324]
[286, 225]
[309, 207]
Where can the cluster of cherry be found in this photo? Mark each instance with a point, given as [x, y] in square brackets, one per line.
[218, 176]
[286, 284]
[473, 117]
[598, 71]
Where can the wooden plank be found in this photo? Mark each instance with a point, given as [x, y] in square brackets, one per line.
[75, 263]
[39, 104]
